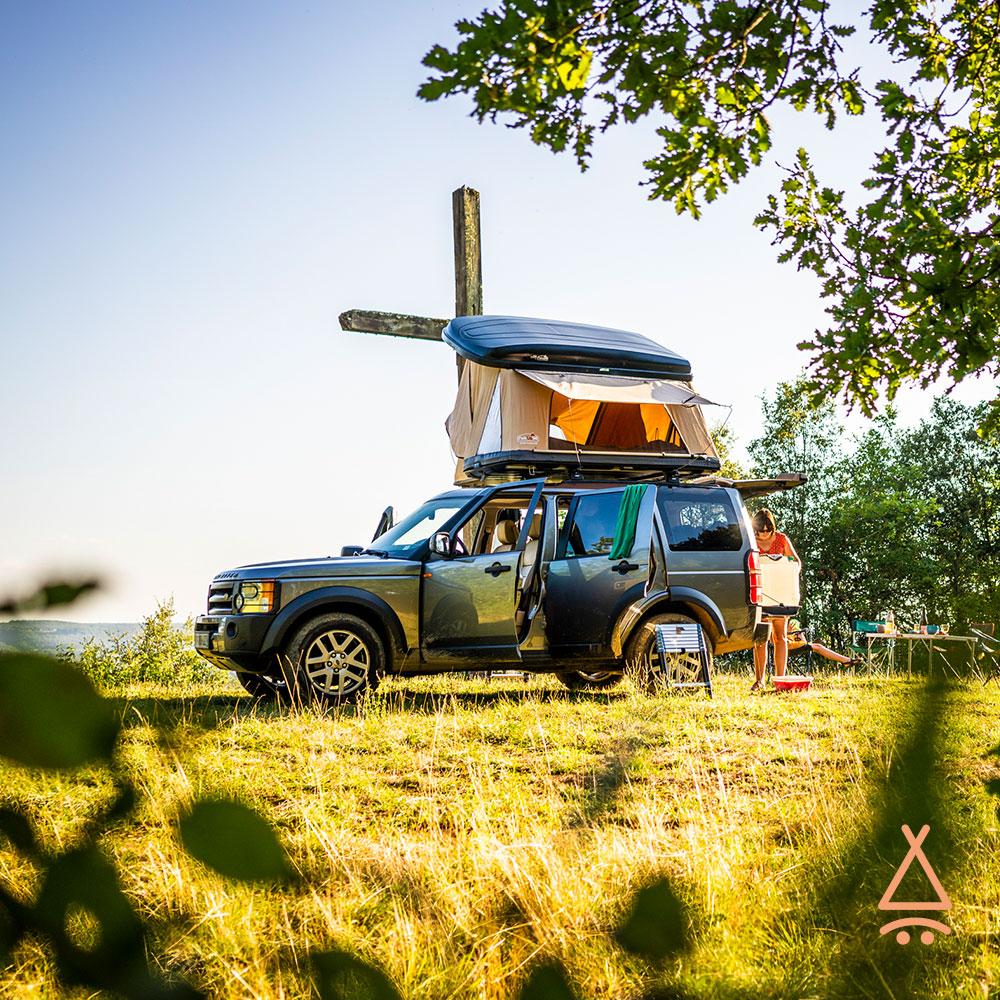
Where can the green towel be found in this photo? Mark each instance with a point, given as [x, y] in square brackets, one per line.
[628, 517]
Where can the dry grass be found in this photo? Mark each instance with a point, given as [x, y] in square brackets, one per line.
[455, 831]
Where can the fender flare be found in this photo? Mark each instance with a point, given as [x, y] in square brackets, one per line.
[327, 597]
[703, 608]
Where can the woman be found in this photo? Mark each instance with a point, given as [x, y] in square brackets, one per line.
[771, 542]
[796, 641]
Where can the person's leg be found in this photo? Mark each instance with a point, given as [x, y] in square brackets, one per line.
[759, 662]
[779, 637]
[829, 654]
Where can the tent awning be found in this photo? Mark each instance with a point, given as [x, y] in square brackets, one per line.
[618, 388]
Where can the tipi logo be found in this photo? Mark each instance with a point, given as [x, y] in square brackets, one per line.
[941, 903]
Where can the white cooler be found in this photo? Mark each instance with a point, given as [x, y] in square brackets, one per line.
[779, 582]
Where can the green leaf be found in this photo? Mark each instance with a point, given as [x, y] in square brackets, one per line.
[339, 975]
[15, 827]
[547, 981]
[50, 714]
[233, 840]
[656, 925]
[50, 595]
[97, 938]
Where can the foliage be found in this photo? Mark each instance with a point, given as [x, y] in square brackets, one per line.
[159, 652]
[901, 519]
[912, 273]
[51, 717]
[724, 440]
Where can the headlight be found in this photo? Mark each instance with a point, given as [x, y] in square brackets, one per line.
[255, 598]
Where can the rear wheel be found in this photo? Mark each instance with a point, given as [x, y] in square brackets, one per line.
[578, 680]
[334, 658]
[643, 658]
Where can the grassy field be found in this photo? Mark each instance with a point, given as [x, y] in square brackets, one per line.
[456, 831]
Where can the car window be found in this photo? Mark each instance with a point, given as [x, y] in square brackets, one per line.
[402, 538]
[590, 529]
[700, 520]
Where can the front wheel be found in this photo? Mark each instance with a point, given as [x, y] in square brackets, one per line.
[334, 658]
[643, 658]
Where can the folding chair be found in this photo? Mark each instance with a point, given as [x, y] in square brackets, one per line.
[987, 655]
[879, 656]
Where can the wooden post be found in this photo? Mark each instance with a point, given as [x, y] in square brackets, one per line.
[468, 253]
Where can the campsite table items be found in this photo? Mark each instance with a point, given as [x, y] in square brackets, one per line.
[879, 661]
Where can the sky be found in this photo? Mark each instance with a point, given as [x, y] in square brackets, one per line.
[192, 193]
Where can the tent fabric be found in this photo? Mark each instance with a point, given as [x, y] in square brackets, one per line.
[628, 517]
[618, 389]
[524, 408]
[467, 419]
[528, 406]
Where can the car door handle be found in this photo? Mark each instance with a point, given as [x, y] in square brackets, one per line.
[497, 568]
[625, 567]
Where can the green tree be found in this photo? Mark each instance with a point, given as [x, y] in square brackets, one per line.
[959, 472]
[872, 545]
[800, 438]
[911, 272]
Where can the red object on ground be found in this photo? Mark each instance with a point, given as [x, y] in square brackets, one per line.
[792, 682]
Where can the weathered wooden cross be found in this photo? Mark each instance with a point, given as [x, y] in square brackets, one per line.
[468, 282]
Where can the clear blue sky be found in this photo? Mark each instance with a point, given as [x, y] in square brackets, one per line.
[191, 193]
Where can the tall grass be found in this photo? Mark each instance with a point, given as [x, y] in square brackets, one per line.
[455, 832]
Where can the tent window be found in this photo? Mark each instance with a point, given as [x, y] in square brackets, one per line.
[609, 426]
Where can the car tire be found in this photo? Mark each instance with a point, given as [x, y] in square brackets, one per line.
[598, 680]
[333, 659]
[642, 659]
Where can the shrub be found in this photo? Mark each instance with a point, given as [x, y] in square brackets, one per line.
[160, 652]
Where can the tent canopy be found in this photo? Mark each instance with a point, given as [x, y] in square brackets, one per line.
[582, 399]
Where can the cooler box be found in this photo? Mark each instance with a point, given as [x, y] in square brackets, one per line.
[779, 582]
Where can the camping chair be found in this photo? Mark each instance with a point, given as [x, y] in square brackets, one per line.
[805, 653]
[883, 652]
[987, 655]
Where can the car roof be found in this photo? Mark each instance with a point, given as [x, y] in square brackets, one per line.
[556, 345]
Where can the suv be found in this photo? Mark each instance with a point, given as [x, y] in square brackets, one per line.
[478, 578]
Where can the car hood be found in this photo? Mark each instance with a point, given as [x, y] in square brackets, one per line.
[330, 566]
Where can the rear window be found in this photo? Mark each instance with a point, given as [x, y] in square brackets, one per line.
[591, 530]
[700, 520]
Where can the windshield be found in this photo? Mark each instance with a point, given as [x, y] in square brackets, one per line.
[403, 539]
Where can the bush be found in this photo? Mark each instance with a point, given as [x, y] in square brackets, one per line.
[160, 652]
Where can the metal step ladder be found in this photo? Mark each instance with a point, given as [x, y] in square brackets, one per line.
[684, 660]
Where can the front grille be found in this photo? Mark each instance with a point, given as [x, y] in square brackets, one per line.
[220, 597]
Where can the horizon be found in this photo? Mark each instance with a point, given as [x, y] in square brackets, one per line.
[194, 195]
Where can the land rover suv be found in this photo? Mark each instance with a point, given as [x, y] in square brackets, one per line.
[524, 573]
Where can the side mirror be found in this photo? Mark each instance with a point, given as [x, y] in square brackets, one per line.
[385, 522]
[441, 544]
[352, 550]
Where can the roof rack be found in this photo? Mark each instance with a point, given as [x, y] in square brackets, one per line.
[506, 466]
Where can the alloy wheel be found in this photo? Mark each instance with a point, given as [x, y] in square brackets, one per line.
[337, 662]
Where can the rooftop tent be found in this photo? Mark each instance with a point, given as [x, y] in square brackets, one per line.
[561, 392]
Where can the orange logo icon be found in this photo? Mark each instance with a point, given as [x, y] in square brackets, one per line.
[943, 902]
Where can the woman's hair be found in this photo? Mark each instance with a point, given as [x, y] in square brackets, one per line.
[763, 520]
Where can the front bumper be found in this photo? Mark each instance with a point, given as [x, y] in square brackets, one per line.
[232, 642]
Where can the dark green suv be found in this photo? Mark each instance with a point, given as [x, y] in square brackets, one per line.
[482, 578]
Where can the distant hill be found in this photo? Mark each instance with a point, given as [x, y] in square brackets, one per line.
[50, 636]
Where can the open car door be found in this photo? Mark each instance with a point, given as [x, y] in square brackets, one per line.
[471, 596]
